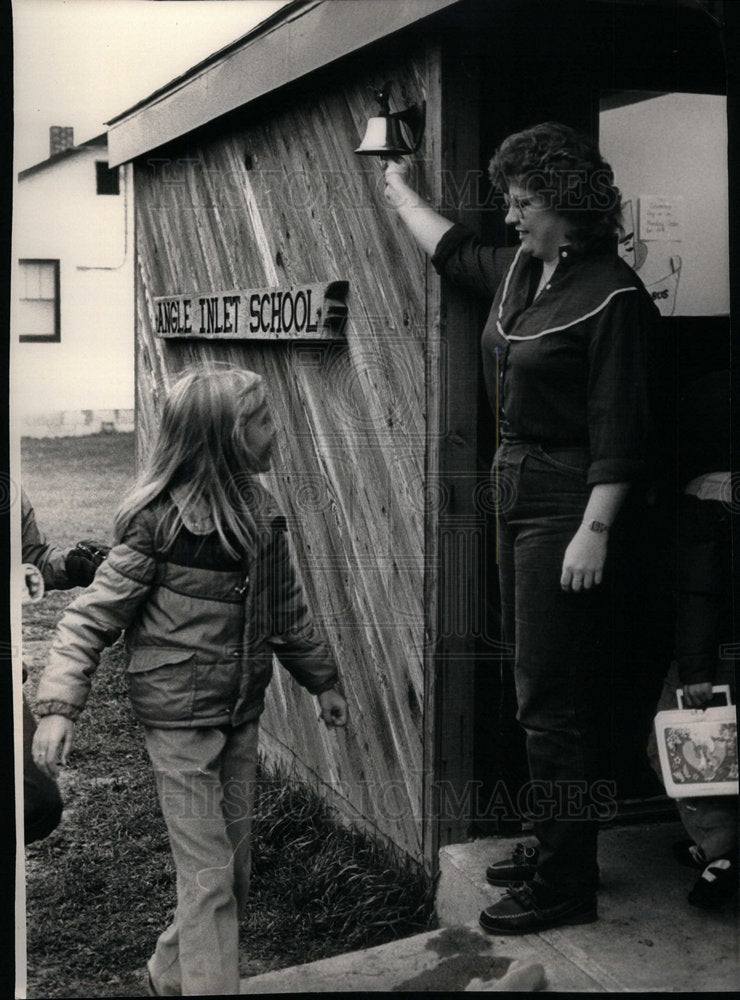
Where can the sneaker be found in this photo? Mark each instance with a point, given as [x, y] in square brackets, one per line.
[529, 908]
[520, 867]
[689, 854]
[716, 885]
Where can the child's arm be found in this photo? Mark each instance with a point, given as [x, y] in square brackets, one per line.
[702, 598]
[49, 559]
[90, 623]
[294, 638]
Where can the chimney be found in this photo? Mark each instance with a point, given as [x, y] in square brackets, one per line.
[61, 137]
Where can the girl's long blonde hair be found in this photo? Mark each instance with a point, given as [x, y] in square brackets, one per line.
[202, 450]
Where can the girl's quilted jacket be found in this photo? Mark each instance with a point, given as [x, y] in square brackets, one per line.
[201, 628]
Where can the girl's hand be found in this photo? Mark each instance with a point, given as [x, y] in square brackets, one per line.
[333, 709]
[54, 735]
[583, 564]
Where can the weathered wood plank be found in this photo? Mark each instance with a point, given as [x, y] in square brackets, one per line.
[435, 403]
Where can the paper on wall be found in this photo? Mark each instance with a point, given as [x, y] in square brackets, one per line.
[661, 217]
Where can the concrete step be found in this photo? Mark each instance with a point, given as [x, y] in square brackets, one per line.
[451, 959]
[648, 938]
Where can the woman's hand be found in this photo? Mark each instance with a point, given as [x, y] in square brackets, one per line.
[395, 166]
[333, 709]
[426, 226]
[397, 191]
[53, 736]
[583, 564]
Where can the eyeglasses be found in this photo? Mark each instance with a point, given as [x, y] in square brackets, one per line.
[522, 205]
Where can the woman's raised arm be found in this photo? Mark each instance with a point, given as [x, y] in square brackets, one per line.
[426, 226]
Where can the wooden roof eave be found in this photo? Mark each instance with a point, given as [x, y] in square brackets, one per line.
[309, 37]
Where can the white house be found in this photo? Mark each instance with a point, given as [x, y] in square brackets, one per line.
[72, 361]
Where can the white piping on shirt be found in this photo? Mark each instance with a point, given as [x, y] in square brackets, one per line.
[553, 329]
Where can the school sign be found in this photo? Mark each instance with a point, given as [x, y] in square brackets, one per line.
[306, 312]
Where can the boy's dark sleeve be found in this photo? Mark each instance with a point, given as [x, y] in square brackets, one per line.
[49, 559]
[290, 628]
[703, 588]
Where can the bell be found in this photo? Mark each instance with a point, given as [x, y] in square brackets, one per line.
[383, 135]
[383, 138]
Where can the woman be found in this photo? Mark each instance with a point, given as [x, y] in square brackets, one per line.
[564, 358]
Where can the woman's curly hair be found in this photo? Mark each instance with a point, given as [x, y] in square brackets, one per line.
[566, 169]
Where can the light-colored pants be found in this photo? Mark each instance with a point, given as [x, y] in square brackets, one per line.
[205, 783]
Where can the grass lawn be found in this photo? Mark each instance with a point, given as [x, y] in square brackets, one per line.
[76, 483]
[101, 887]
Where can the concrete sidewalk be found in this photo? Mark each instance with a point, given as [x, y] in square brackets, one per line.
[648, 938]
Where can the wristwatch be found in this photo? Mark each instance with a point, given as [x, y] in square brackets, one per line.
[598, 526]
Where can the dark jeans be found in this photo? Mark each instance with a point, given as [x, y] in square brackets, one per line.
[706, 649]
[562, 643]
[42, 803]
[704, 587]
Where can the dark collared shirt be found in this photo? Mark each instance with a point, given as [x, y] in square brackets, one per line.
[569, 367]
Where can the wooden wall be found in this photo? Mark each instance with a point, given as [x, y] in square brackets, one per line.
[278, 198]
[377, 429]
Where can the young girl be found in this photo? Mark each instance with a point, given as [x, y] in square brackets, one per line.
[202, 581]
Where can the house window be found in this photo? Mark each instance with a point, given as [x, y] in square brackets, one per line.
[38, 313]
[106, 179]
